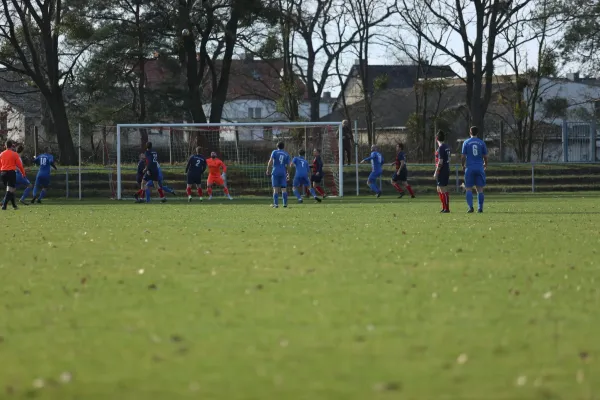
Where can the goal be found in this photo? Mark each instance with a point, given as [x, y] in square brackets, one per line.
[244, 147]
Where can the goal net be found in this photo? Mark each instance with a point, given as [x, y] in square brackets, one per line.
[244, 147]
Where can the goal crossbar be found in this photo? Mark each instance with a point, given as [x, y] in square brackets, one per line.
[234, 124]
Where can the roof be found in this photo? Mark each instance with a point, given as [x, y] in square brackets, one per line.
[393, 107]
[399, 76]
[15, 91]
[248, 78]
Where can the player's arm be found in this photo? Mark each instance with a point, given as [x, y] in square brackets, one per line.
[439, 166]
[463, 156]
[372, 156]
[224, 168]
[189, 163]
[269, 165]
[20, 165]
[53, 165]
[36, 160]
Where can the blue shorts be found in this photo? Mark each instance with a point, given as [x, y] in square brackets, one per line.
[279, 181]
[22, 181]
[43, 181]
[301, 181]
[194, 179]
[374, 175]
[474, 177]
[443, 178]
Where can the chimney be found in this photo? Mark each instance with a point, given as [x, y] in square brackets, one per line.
[573, 76]
[326, 95]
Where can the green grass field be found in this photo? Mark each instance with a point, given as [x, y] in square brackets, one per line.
[349, 299]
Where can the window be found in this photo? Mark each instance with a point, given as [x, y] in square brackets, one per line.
[254, 112]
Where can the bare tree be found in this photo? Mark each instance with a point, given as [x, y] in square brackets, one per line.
[30, 33]
[368, 17]
[479, 49]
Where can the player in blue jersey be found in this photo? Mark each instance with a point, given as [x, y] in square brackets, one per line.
[42, 180]
[474, 161]
[376, 169]
[194, 170]
[301, 176]
[22, 181]
[442, 171]
[279, 161]
[139, 176]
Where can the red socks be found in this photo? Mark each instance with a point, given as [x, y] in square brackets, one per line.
[209, 190]
[199, 192]
[445, 199]
[320, 190]
[442, 199]
[410, 190]
[226, 191]
[189, 191]
[161, 193]
[398, 188]
[140, 192]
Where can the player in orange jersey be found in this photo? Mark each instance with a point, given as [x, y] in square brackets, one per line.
[215, 166]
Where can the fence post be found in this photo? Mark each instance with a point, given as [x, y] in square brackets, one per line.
[67, 183]
[356, 139]
[501, 141]
[593, 141]
[79, 161]
[457, 181]
[565, 140]
[35, 140]
[171, 146]
[532, 177]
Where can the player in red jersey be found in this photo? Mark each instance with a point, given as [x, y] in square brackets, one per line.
[400, 177]
[317, 172]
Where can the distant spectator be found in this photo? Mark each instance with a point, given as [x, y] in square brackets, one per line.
[347, 140]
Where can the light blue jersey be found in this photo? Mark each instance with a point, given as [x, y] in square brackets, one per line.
[281, 160]
[474, 149]
[376, 162]
[45, 161]
[302, 167]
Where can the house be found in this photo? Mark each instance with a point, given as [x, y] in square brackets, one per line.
[20, 109]
[383, 77]
[254, 95]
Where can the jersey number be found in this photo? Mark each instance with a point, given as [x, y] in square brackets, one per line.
[281, 157]
[198, 163]
[302, 163]
[43, 161]
[475, 150]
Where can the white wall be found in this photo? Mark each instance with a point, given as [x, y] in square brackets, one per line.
[15, 121]
[579, 96]
[238, 110]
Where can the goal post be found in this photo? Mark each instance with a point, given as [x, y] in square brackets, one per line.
[242, 146]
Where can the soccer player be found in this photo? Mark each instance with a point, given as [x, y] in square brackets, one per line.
[442, 171]
[161, 183]
[151, 174]
[9, 163]
[376, 169]
[215, 177]
[194, 169]
[42, 180]
[139, 176]
[301, 176]
[22, 181]
[474, 160]
[279, 161]
[317, 172]
[401, 174]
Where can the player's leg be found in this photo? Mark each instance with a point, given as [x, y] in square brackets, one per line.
[188, 190]
[284, 193]
[394, 182]
[479, 185]
[275, 193]
[149, 184]
[403, 176]
[159, 188]
[469, 183]
[372, 183]
[312, 191]
[226, 191]
[199, 188]
[209, 186]
[316, 180]
[6, 182]
[296, 188]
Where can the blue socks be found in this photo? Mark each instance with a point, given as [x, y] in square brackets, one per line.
[42, 194]
[25, 193]
[469, 198]
[147, 195]
[276, 199]
[312, 192]
[168, 189]
[297, 194]
[285, 197]
[35, 191]
[374, 187]
[480, 198]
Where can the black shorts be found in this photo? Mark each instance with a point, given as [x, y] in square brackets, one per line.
[194, 179]
[401, 176]
[316, 178]
[443, 178]
[9, 178]
[151, 176]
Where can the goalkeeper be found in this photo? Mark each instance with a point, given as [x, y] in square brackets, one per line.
[215, 166]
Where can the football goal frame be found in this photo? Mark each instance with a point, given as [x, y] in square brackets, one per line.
[119, 194]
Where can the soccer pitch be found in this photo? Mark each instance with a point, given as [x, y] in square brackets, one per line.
[349, 299]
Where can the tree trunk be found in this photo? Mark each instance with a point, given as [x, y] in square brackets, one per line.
[68, 156]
